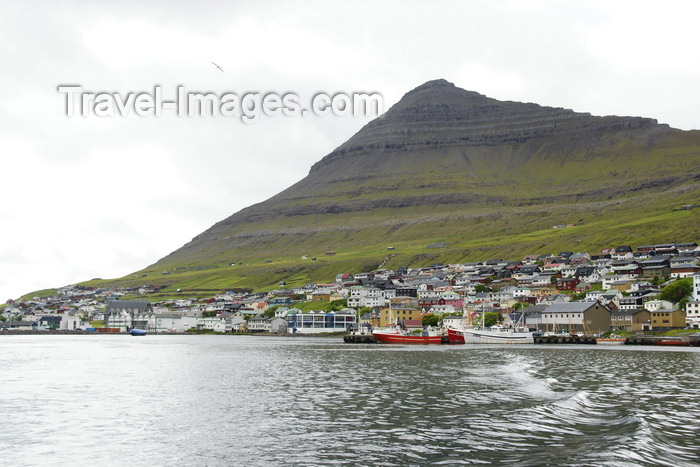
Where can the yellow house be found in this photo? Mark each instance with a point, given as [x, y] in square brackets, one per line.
[543, 291]
[404, 301]
[320, 297]
[622, 286]
[401, 313]
[630, 320]
[661, 319]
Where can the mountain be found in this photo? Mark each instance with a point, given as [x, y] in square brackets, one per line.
[486, 178]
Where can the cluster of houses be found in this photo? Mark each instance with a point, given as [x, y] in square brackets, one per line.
[616, 289]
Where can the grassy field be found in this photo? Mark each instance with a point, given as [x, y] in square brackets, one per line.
[482, 241]
[40, 294]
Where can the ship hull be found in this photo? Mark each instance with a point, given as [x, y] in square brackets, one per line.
[469, 336]
[396, 338]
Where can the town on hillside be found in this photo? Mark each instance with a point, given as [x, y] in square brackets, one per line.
[650, 288]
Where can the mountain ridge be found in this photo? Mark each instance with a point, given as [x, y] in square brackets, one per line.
[498, 127]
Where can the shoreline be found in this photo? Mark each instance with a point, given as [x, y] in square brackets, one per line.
[65, 332]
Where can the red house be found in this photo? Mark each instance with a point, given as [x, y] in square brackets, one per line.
[568, 283]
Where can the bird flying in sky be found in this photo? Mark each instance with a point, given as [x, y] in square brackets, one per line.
[217, 66]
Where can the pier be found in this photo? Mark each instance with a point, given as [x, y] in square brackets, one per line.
[564, 340]
[693, 341]
[359, 339]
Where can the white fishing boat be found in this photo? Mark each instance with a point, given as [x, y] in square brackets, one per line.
[517, 334]
[611, 340]
[492, 335]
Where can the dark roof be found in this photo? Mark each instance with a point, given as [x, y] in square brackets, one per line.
[570, 307]
[630, 300]
[640, 293]
[50, 319]
[140, 306]
[626, 312]
[169, 316]
[655, 261]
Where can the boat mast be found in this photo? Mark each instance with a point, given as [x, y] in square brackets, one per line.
[391, 314]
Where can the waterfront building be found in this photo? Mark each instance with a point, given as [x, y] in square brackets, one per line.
[692, 314]
[633, 320]
[315, 322]
[127, 314]
[578, 317]
[665, 320]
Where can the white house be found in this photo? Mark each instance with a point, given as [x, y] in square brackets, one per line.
[612, 296]
[71, 323]
[462, 279]
[684, 270]
[454, 322]
[692, 314]
[654, 305]
[271, 325]
[170, 322]
[365, 297]
[521, 292]
[594, 295]
[235, 324]
[442, 309]
[257, 324]
[389, 294]
[609, 280]
[640, 285]
[541, 281]
[212, 324]
[568, 271]
[503, 295]
[127, 314]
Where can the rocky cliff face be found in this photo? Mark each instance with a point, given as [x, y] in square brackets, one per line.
[437, 115]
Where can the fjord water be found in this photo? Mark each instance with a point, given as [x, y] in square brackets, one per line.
[239, 400]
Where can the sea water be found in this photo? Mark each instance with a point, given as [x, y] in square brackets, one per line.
[241, 400]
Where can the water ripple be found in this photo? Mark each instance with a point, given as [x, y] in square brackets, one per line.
[222, 400]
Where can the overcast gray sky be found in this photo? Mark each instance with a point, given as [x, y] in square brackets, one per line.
[88, 197]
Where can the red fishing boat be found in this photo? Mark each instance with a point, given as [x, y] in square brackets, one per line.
[455, 337]
[397, 336]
